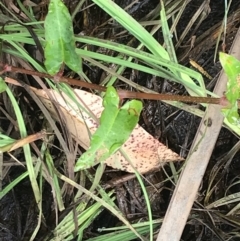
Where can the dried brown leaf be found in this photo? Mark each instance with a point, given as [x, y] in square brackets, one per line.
[145, 152]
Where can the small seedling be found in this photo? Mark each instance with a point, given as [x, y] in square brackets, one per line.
[60, 40]
[116, 125]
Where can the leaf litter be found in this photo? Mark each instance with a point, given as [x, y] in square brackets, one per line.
[145, 152]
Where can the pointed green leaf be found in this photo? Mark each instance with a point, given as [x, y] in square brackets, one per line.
[6, 143]
[116, 125]
[231, 67]
[3, 85]
[60, 41]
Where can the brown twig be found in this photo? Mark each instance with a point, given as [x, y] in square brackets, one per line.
[122, 93]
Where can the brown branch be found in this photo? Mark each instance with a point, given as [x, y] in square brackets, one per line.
[123, 93]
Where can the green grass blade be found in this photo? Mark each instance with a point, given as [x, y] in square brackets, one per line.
[12, 184]
[133, 27]
[56, 190]
[26, 148]
[145, 196]
[167, 35]
[99, 200]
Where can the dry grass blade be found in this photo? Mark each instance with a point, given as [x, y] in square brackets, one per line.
[23, 141]
[218, 171]
[209, 37]
[191, 177]
[200, 14]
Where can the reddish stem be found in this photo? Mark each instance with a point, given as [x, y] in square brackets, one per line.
[123, 93]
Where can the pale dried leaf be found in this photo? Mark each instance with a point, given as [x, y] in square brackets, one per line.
[145, 152]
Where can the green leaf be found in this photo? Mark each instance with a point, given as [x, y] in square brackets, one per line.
[6, 143]
[115, 127]
[231, 67]
[60, 40]
[232, 114]
[3, 85]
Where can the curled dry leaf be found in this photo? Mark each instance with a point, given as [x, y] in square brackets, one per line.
[145, 152]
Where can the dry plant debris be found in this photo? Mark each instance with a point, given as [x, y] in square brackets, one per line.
[145, 152]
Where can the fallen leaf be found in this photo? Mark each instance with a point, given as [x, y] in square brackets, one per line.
[145, 152]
